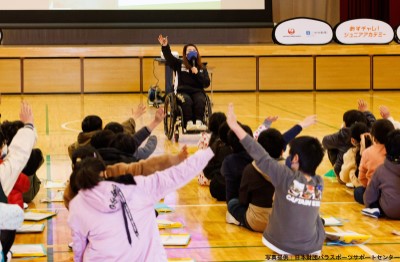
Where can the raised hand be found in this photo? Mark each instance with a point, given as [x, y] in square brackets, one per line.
[140, 110]
[308, 121]
[384, 111]
[159, 116]
[269, 120]
[163, 40]
[26, 115]
[362, 105]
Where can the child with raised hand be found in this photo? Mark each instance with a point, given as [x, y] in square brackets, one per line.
[295, 226]
[338, 143]
[17, 157]
[115, 221]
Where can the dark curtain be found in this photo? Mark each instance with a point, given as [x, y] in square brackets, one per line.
[375, 9]
[394, 13]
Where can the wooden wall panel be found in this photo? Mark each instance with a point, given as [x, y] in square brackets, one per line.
[386, 72]
[151, 71]
[232, 74]
[10, 75]
[286, 73]
[343, 72]
[52, 75]
[111, 75]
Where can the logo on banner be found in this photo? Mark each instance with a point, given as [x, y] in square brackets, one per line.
[364, 31]
[302, 31]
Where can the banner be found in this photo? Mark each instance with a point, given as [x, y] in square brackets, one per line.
[302, 31]
[363, 31]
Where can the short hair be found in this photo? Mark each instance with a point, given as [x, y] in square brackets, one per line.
[392, 146]
[216, 119]
[234, 141]
[272, 141]
[83, 152]
[310, 153]
[2, 139]
[115, 127]
[92, 123]
[380, 129]
[125, 143]
[223, 131]
[354, 116]
[87, 173]
[10, 129]
[357, 129]
[102, 139]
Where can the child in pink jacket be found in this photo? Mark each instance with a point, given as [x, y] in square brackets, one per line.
[113, 221]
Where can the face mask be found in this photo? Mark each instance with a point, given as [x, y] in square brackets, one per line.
[288, 161]
[191, 55]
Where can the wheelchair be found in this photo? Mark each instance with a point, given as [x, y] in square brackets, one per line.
[173, 120]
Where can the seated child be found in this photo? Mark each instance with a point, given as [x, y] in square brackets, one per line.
[254, 205]
[338, 143]
[100, 203]
[383, 190]
[351, 159]
[373, 156]
[92, 124]
[295, 226]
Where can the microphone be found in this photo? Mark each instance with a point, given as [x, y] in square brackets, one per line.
[194, 62]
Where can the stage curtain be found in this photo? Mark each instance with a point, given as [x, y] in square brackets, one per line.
[375, 9]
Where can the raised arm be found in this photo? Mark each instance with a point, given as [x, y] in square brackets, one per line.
[172, 61]
[19, 150]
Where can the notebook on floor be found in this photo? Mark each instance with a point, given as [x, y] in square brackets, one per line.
[37, 215]
[54, 184]
[31, 228]
[331, 221]
[163, 223]
[175, 239]
[33, 250]
[163, 208]
[57, 197]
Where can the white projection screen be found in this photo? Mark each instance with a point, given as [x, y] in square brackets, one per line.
[135, 13]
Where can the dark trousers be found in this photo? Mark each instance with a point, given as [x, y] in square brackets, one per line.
[7, 238]
[194, 106]
[238, 211]
[359, 194]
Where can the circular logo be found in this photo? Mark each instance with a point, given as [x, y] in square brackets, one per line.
[291, 31]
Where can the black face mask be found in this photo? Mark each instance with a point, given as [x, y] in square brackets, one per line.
[288, 161]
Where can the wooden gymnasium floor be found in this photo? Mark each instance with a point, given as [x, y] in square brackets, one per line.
[58, 117]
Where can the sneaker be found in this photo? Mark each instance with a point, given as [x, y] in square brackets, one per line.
[200, 125]
[9, 256]
[25, 205]
[349, 185]
[71, 245]
[230, 219]
[372, 212]
[190, 126]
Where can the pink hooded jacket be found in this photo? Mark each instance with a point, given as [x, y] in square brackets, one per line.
[102, 225]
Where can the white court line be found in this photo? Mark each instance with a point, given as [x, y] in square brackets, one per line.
[198, 205]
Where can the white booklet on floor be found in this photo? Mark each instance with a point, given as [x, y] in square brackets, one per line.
[34, 250]
[38, 215]
[331, 221]
[57, 197]
[175, 239]
[31, 228]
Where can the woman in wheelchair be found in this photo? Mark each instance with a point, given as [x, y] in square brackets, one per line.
[192, 79]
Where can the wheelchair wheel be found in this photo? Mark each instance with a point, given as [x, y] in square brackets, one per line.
[170, 117]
